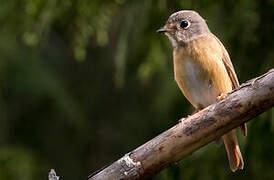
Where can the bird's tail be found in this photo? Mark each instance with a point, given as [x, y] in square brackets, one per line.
[233, 151]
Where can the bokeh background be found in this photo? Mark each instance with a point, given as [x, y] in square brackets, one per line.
[82, 82]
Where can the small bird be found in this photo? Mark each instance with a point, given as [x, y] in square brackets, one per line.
[203, 70]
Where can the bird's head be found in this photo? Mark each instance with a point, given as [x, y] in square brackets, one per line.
[184, 26]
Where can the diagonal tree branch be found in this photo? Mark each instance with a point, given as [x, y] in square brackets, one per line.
[191, 133]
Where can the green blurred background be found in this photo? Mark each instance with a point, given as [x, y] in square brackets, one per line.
[83, 82]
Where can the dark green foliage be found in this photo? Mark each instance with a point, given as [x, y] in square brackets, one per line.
[82, 82]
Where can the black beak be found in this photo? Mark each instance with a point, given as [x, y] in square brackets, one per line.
[161, 30]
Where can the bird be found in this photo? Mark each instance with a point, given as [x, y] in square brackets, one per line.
[203, 70]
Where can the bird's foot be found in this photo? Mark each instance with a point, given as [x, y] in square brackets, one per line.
[181, 120]
[221, 97]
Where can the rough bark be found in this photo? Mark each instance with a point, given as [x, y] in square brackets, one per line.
[191, 133]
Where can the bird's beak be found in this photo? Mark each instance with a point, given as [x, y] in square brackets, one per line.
[162, 30]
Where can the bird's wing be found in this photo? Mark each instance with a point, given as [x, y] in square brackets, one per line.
[228, 65]
[232, 75]
[230, 70]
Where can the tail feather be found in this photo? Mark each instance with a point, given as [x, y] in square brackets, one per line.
[244, 129]
[233, 151]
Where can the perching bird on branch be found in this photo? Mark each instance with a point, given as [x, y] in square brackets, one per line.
[203, 70]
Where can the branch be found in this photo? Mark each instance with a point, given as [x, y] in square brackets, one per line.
[191, 133]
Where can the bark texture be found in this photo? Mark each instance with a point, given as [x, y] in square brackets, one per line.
[191, 133]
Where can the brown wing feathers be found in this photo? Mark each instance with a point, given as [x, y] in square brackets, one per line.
[233, 77]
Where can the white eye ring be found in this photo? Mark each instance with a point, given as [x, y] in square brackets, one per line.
[185, 24]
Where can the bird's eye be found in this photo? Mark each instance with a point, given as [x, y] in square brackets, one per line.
[185, 24]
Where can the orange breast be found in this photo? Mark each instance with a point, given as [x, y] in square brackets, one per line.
[200, 72]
